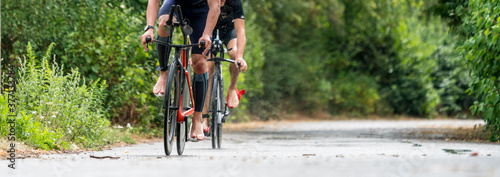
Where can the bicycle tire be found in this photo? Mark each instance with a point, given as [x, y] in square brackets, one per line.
[219, 135]
[171, 101]
[220, 109]
[214, 123]
[181, 137]
[182, 126]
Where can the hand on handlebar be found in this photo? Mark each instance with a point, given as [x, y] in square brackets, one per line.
[241, 64]
[150, 34]
[208, 42]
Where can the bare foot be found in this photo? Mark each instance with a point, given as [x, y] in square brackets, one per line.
[197, 131]
[159, 88]
[205, 123]
[232, 100]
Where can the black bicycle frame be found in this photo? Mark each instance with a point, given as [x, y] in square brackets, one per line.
[216, 49]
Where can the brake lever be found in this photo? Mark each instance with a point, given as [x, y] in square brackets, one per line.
[148, 40]
[239, 65]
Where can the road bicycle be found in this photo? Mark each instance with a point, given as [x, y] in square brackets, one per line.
[218, 108]
[177, 104]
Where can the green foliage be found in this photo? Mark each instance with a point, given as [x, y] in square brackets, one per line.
[453, 10]
[53, 109]
[317, 52]
[352, 93]
[100, 38]
[481, 49]
[116, 135]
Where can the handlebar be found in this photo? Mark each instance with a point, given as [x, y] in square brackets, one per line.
[148, 40]
[223, 59]
[220, 59]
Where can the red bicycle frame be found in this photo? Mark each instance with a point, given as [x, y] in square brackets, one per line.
[180, 114]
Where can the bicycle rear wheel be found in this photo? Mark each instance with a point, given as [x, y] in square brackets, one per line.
[171, 102]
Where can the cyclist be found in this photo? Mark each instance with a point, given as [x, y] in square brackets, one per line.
[231, 26]
[202, 15]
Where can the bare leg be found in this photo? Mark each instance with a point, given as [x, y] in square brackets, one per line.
[159, 88]
[210, 66]
[232, 100]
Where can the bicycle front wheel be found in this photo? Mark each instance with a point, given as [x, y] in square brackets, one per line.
[217, 112]
[182, 126]
[220, 109]
[171, 103]
[213, 124]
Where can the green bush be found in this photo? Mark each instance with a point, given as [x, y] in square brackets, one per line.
[53, 109]
[399, 50]
[100, 38]
[352, 93]
[481, 49]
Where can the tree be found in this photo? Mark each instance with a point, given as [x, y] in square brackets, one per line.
[482, 51]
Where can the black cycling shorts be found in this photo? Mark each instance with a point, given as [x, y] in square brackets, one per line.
[197, 16]
[226, 37]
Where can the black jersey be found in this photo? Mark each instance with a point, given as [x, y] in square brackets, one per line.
[192, 3]
[232, 9]
[186, 3]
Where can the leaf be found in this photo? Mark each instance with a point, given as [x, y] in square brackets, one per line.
[473, 110]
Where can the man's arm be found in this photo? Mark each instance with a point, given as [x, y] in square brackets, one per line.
[151, 15]
[152, 11]
[212, 17]
[239, 25]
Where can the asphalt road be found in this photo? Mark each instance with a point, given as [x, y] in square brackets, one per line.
[329, 148]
